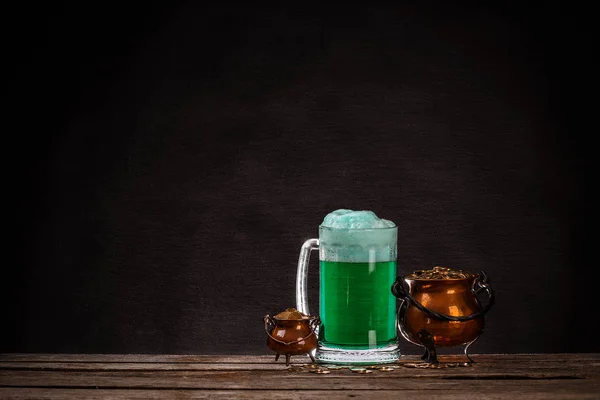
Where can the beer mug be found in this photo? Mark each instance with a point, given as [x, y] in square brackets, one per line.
[357, 256]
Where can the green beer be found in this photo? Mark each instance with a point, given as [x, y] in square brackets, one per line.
[357, 309]
[357, 253]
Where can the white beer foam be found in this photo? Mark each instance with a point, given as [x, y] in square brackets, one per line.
[349, 219]
[357, 236]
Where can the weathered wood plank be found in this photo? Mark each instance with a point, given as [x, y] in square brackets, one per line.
[523, 366]
[534, 391]
[480, 369]
[142, 358]
[264, 358]
[68, 376]
[123, 366]
[262, 379]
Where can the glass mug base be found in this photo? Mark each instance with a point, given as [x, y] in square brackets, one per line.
[382, 355]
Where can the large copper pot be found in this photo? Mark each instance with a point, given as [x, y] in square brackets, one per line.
[442, 312]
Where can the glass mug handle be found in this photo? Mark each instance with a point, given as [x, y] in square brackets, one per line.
[301, 293]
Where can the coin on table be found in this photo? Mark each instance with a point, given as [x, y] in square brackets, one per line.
[386, 369]
[415, 365]
[361, 370]
[333, 366]
[320, 371]
[439, 365]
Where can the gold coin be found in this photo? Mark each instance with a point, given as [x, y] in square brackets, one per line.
[361, 370]
[410, 365]
[415, 365]
[320, 371]
[386, 368]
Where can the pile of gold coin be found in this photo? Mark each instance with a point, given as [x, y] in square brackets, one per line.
[438, 272]
[426, 365]
[328, 368]
[291, 313]
[361, 369]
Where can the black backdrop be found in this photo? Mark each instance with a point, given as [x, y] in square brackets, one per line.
[173, 159]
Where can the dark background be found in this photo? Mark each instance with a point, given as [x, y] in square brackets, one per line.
[171, 160]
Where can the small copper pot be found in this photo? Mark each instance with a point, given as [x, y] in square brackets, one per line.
[291, 336]
[442, 312]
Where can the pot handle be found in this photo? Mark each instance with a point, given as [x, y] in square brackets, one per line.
[270, 324]
[480, 284]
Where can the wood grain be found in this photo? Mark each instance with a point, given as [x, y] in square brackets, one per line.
[566, 391]
[68, 376]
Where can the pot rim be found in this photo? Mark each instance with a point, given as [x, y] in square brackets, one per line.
[304, 318]
[473, 276]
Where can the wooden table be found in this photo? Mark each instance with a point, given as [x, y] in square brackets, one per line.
[79, 376]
